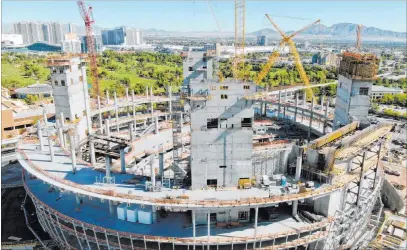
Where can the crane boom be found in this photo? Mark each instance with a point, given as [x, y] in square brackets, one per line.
[272, 58]
[300, 68]
[276, 26]
[297, 61]
[304, 28]
[87, 16]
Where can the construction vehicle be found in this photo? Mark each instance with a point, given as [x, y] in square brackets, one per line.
[287, 39]
[87, 16]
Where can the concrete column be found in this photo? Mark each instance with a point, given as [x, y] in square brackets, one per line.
[111, 208]
[284, 108]
[279, 105]
[39, 133]
[117, 113]
[107, 121]
[62, 119]
[322, 102]
[78, 200]
[131, 131]
[60, 135]
[295, 208]
[122, 161]
[127, 94]
[51, 148]
[100, 117]
[285, 95]
[133, 99]
[73, 154]
[152, 172]
[161, 164]
[151, 101]
[44, 114]
[156, 126]
[209, 227]
[86, 97]
[310, 119]
[170, 99]
[296, 107]
[92, 152]
[265, 109]
[326, 116]
[182, 135]
[107, 97]
[304, 102]
[147, 92]
[298, 168]
[107, 159]
[193, 226]
[256, 218]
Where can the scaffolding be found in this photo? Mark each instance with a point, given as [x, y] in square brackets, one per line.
[358, 66]
[177, 121]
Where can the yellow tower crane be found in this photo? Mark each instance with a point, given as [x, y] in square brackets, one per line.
[293, 50]
[240, 38]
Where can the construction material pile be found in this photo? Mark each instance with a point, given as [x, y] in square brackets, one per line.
[358, 66]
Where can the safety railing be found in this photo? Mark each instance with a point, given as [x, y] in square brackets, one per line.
[177, 240]
[339, 182]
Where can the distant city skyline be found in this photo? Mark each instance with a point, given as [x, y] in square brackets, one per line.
[196, 15]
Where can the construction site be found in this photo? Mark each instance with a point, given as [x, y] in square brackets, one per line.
[216, 169]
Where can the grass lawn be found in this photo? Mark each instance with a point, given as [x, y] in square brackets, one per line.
[13, 72]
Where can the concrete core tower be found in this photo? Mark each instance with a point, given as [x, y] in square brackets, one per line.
[70, 88]
[356, 75]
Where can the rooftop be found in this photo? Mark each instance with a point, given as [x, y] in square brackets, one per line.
[35, 89]
[376, 88]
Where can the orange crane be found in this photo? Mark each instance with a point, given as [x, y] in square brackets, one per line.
[87, 16]
[297, 60]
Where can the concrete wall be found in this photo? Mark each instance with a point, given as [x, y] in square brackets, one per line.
[327, 205]
[196, 60]
[231, 215]
[69, 99]
[349, 103]
[391, 198]
[227, 145]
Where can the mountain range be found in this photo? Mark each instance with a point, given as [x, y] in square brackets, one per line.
[339, 31]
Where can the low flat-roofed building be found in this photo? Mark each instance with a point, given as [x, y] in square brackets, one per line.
[379, 91]
[38, 89]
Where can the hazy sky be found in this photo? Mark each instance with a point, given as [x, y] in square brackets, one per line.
[195, 15]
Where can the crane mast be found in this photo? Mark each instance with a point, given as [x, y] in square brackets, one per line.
[359, 36]
[87, 17]
[240, 28]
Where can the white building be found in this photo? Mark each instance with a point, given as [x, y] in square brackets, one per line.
[39, 32]
[122, 36]
[379, 91]
[11, 40]
[71, 46]
[31, 31]
[72, 28]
